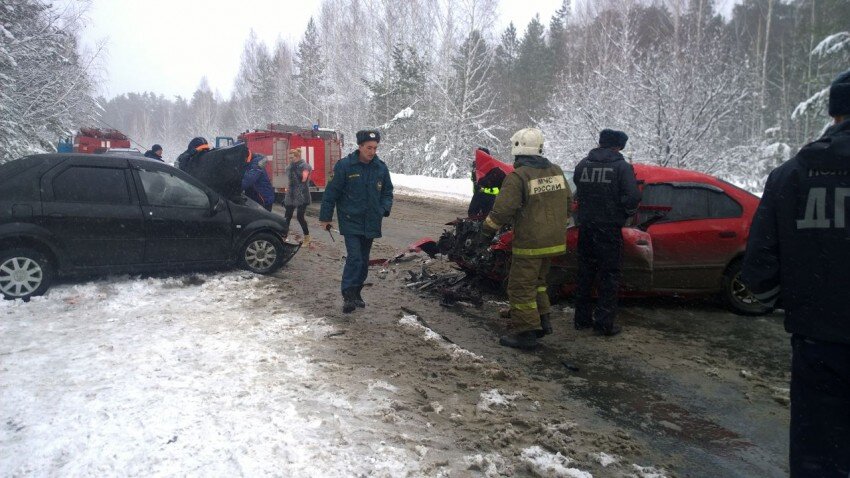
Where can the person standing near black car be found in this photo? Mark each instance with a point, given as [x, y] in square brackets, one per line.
[799, 250]
[607, 195]
[154, 153]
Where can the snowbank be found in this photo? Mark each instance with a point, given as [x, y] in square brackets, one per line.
[423, 186]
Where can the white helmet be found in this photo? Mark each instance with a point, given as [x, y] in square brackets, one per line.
[528, 142]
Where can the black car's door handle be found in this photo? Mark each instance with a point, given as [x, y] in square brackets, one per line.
[56, 215]
[728, 234]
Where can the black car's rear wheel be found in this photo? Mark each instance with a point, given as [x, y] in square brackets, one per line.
[263, 254]
[737, 296]
[24, 273]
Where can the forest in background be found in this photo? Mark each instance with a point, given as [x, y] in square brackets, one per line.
[730, 96]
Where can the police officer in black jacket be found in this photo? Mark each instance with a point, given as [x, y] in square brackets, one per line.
[799, 251]
[607, 195]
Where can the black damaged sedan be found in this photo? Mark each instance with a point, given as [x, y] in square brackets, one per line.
[73, 214]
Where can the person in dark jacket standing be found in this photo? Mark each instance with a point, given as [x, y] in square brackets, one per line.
[154, 153]
[484, 190]
[607, 195]
[298, 191]
[799, 251]
[196, 145]
[535, 199]
[362, 193]
[256, 183]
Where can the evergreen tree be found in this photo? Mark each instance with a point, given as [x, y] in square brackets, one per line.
[534, 74]
[558, 38]
[310, 85]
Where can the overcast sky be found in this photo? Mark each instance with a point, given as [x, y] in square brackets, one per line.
[166, 46]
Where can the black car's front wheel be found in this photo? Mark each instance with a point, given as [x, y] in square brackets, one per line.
[737, 296]
[263, 254]
[24, 273]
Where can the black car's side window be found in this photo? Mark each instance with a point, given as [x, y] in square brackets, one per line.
[165, 189]
[91, 185]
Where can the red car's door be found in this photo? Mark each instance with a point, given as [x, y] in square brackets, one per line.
[698, 237]
[636, 265]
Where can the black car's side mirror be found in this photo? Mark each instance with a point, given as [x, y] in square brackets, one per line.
[219, 206]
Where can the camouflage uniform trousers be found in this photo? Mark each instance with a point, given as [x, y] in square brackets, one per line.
[527, 292]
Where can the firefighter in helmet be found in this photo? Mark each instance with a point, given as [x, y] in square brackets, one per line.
[535, 199]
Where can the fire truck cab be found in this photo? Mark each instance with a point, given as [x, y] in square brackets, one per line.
[321, 148]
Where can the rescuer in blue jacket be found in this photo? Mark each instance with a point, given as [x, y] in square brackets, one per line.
[256, 183]
[362, 193]
[799, 251]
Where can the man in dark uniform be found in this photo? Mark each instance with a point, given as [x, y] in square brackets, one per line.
[607, 195]
[799, 251]
[535, 199]
[362, 193]
[485, 189]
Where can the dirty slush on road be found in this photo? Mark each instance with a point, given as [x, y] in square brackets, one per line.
[688, 389]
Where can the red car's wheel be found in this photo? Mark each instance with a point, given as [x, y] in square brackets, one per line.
[736, 295]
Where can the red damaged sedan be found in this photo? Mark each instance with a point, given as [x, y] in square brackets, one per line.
[687, 239]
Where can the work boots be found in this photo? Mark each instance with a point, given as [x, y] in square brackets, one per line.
[348, 300]
[523, 340]
[358, 299]
[545, 326]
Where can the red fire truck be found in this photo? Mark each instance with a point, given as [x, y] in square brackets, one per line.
[93, 140]
[321, 148]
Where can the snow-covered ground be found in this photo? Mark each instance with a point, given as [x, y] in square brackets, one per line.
[194, 375]
[459, 189]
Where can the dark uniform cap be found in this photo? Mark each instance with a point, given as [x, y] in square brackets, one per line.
[368, 135]
[156, 148]
[839, 95]
[612, 138]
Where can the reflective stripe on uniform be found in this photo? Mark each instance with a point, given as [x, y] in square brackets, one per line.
[491, 191]
[542, 288]
[489, 223]
[526, 306]
[540, 251]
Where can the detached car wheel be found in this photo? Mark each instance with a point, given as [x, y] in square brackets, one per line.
[24, 273]
[263, 254]
[736, 295]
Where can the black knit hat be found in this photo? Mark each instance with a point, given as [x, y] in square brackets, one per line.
[609, 138]
[197, 142]
[368, 135]
[156, 148]
[839, 95]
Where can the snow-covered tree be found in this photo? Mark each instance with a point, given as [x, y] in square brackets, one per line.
[45, 86]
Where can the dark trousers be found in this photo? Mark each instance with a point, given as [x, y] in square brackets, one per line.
[356, 268]
[820, 409]
[301, 219]
[481, 204]
[599, 251]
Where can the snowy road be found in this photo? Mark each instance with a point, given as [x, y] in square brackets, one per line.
[230, 374]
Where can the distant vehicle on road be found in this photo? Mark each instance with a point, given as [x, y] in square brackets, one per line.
[687, 239]
[64, 214]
